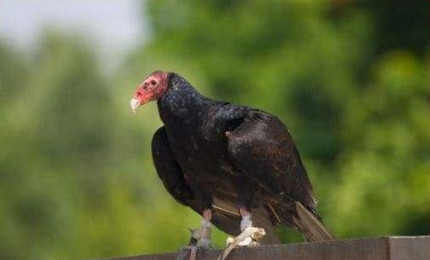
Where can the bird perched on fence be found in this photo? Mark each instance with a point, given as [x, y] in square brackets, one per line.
[236, 166]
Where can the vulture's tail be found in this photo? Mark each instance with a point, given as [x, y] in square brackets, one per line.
[310, 225]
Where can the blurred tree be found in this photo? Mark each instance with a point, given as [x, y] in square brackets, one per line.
[71, 175]
[53, 107]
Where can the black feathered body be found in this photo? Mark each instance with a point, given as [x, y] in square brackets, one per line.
[216, 153]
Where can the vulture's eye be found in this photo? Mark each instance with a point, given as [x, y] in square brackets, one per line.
[153, 82]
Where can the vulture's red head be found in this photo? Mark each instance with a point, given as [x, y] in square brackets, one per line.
[152, 88]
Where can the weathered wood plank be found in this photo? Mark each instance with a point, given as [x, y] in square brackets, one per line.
[411, 248]
[384, 248]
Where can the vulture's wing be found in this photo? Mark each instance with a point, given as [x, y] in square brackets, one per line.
[261, 148]
[171, 174]
[169, 170]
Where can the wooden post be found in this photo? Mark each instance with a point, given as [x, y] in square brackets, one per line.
[383, 248]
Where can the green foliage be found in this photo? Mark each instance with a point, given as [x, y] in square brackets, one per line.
[77, 179]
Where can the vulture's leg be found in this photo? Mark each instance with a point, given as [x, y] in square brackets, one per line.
[245, 223]
[246, 191]
[249, 235]
[246, 218]
[205, 231]
[200, 238]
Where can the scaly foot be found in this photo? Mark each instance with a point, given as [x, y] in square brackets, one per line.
[200, 239]
[249, 237]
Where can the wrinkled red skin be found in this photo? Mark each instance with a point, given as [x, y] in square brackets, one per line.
[152, 88]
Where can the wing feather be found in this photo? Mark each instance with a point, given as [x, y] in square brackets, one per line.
[173, 179]
[263, 149]
[169, 170]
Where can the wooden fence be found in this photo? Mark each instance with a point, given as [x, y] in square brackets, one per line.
[383, 248]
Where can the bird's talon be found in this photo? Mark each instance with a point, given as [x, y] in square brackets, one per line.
[229, 241]
[248, 238]
[204, 243]
[247, 241]
[195, 233]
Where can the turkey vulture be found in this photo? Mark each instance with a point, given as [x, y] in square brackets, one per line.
[237, 166]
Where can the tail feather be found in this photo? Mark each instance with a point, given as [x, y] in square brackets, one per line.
[310, 225]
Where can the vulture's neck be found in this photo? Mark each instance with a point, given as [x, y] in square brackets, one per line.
[182, 104]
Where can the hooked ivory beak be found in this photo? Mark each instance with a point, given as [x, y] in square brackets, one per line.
[134, 104]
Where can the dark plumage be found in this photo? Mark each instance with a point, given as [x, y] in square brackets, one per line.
[212, 154]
